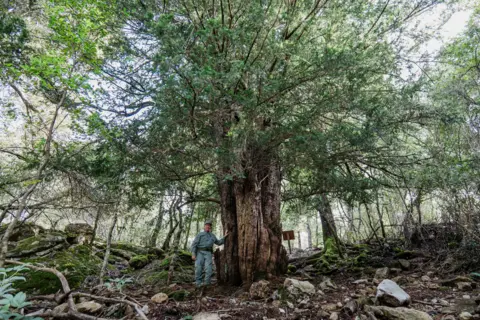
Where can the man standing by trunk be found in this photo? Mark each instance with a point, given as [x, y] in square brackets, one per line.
[202, 250]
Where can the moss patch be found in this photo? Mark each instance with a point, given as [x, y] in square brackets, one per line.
[140, 261]
[76, 264]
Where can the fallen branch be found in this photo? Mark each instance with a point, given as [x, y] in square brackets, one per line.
[73, 312]
[104, 299]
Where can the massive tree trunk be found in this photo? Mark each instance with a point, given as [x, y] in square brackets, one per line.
[251, 214]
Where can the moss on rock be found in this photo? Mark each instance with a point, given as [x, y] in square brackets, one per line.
[76, 263]
[140, 261]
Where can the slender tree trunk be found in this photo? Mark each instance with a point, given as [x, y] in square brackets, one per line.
[329, 230]
[190, 219]
[299, 240]
[176, 245]
[173, 226]
[418, 203]
[23, 199]
[309, 235]
[95, 225]
[107, 250]
[370, 223]
[11, 226]
[380, 218]
[251, 215]
[158, 225]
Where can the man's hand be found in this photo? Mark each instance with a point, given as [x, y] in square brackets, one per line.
[194, 258]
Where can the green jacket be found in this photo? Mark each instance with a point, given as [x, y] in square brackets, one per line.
[205, 240]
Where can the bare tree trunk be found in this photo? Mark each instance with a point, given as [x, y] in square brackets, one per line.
[380, 218]
[107, 250]
[95, 225]
[11, 225]
[176, 244]
[325, 213]
[190, 219]
[309, 235]
[299, 240]
[418, 203]
[23, 199]
[158, 225]
[173, 227]
[370, 223]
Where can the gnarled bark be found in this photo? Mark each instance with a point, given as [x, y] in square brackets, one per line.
[251, 214]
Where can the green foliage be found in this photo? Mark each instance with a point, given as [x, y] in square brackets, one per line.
[11, 304]
[13, 43]
[118, 283]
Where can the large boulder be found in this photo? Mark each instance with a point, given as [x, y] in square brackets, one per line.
[22, 231]
[389, 293]
[79, 228]
[77, 263]
[79, 233]
[296, 287]
[38, 246]
[401, 313]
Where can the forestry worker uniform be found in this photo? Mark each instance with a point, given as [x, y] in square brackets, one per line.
[202, 249]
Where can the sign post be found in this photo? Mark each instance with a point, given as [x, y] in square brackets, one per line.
[289, 235]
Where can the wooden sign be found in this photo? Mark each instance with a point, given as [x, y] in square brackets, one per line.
[288, 235]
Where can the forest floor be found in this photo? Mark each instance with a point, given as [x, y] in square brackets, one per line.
[427, 290]
[341, 295]
[433, 283]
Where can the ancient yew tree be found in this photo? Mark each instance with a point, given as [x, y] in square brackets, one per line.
[253, 93]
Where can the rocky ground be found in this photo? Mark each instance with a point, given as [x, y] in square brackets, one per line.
[368, 281]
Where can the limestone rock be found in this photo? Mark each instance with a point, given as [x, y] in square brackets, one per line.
[426, 279]
[404, 264]
[296, 287]
[382, 273]
[322, 314]
[465, 316]
[206, 316]
[329, 307]
[160, 297]
[360, 281]
[90, 307]
[350, 307]
[36, 244]
[334, 316]
[327, 284]
[80, 233]
[464, 286]
[400, 313]
[79, 228]
[389, 293]
[259, 290]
